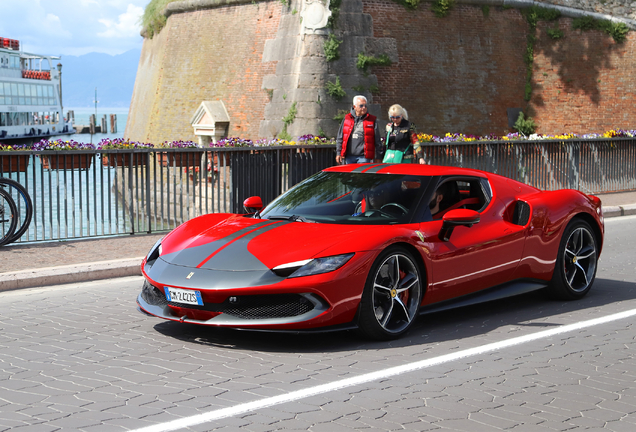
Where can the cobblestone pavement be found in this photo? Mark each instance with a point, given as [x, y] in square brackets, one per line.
[81, 358]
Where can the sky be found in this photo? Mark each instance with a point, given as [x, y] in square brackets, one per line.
[73, 27]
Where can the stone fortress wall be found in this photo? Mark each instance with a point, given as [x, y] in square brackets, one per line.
[265, 61]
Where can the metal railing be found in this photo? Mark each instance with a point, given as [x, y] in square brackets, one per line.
[592, 166]
[79, 194]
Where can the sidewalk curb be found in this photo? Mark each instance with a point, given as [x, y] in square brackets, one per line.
[620, 210]
[71, 273]
[612, 211]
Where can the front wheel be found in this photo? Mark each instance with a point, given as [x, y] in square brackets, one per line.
[576, 263]
[8, 217]
[392, 295]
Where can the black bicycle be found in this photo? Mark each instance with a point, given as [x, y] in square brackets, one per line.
[23, 203]
[8, 217]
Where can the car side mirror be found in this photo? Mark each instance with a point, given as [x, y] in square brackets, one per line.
[454, 218]
[253, 204]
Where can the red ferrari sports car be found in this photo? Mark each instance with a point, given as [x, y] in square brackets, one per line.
[372, 246]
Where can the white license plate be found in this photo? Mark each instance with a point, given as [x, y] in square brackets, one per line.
[184, 296]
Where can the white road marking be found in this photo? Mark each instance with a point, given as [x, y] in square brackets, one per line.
[375, 376]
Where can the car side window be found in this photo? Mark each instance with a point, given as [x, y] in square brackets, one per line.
[472, 193]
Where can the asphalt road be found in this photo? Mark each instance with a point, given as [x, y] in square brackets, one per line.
[81, 358]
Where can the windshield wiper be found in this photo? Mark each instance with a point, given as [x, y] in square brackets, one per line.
[293, 218]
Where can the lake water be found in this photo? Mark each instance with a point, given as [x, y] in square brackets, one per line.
[82, 116]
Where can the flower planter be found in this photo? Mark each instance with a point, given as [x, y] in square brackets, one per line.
[124, 159]
[180, 159]
[67, 161]
[13, 163]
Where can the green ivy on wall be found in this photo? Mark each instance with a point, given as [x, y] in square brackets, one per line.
[334, 7]
[364, 61]
[335, 90]
[339, 117]
[533, 15]
[617, 30]
[409, 4]
[442, 8]
[287, 121]
[332, 48]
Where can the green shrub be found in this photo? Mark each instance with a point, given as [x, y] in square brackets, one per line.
[441, 8]
[485, 9]
[284, 135]
[291, 115]
[374, 89]
[584, 23]
[334, 7]
[524, 125]
[152, 19]
[339, 117]
[332, 48]
[555, 33]
[335, 90]
[364, 61]
[617, 30]
[535, 14]
[409, 4]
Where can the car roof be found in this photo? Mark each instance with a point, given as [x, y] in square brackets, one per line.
[408, 169]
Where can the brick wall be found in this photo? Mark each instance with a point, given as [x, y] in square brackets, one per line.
[461, 72]
[212, 54]
[454, 74]
[584, 82]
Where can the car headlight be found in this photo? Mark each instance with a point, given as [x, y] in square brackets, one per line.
[155, 251]
[312, 267]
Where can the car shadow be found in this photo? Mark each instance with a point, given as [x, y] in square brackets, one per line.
[528, 310]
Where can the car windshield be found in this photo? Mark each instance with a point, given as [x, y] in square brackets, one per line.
[350, 198]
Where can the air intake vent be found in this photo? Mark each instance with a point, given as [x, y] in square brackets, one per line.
[522, 213]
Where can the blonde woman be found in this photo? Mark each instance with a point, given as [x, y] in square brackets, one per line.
[401, 136]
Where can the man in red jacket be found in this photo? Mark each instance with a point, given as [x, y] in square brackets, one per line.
[359, 139]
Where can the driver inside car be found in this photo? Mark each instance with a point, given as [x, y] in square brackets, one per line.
[373, 199]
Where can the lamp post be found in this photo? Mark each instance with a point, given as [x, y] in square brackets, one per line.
[59, 70]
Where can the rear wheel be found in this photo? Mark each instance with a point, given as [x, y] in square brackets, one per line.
[23, 203]
[392, 295]
[576, 263]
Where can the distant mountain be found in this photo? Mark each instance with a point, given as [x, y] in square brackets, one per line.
[114, 77]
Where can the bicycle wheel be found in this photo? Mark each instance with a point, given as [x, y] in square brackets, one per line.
[23, 203]
[8, 217]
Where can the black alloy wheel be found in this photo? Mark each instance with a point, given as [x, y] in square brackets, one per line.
[575, 267]
[392, 295]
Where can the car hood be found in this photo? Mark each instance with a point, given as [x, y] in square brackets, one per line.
[245, 244]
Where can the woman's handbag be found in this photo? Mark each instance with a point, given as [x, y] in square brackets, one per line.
[393, 156]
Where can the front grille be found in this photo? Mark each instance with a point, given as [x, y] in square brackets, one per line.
[257, 306]
[274, 306]
[152, 295]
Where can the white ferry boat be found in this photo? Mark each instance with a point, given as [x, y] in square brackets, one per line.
[30, 96]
